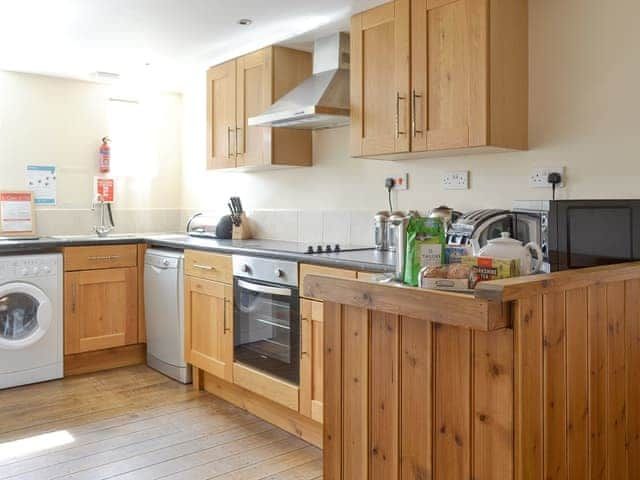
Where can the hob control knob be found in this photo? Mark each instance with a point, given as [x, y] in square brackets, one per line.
[328, 249]
[336, 248]
[319, 249]
[309, 249]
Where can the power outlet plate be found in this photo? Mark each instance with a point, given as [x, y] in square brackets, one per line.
[456, 180]
[539, 177]
[401, 181]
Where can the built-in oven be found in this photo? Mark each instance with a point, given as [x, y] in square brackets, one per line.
[267, 316]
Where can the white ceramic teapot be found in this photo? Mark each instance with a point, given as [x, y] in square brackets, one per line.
[509, 248]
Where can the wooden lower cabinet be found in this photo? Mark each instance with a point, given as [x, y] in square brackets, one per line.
[208, 331]
[266, 386]
[311, 355]
[101, 309]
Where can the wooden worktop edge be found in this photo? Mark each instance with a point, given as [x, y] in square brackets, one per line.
[445, 308]
[515, 288]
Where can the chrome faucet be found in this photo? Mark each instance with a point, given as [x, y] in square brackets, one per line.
[104, 228]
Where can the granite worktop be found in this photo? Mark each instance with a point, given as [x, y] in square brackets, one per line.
[365, 260]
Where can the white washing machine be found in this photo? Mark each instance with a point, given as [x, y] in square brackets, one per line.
[31, 321]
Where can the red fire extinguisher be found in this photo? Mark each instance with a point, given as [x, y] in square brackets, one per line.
[105, 155]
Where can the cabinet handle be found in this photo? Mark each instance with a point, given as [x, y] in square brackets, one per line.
[103, 257]
[74, 293]
[224, 321]
[398, 131]
[229, 154]
[238, 129]
[203, 267]
[414, 130]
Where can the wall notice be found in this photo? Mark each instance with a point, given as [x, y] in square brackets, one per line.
[16, 212]
[41, 180]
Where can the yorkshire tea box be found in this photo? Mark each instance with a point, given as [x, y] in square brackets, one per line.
[484, 269]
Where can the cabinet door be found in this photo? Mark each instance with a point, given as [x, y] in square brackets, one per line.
[311, 359]
[208, 331]
[449, 74]
[221, 116]
[380, 49]
[253, 98]
[101, 309]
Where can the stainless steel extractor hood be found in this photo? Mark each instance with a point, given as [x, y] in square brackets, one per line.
[322, 100]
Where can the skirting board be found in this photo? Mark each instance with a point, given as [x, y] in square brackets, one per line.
[99, 360]
[282, 417]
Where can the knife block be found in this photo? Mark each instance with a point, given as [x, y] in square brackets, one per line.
[243, 232]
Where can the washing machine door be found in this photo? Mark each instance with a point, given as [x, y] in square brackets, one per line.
[25, 315]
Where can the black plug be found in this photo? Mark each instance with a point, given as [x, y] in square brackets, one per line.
[554, 179]
[389, 183]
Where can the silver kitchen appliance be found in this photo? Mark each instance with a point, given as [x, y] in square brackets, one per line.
[210, 226]
[322, 100]
[381, 230]
[480, 225]
[398, 240]
[163, 303]
[267, 316]
[527, 222]
[531, 224]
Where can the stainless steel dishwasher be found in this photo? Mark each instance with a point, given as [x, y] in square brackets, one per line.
[164, 314]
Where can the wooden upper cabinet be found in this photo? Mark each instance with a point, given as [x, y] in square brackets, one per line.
[449, 74]
[221, 116]
[101, 309]
[254, 88]
[380, 80]
[246, 87]
[208, 332]
[468, 68]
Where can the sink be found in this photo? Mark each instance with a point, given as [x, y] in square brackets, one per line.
[93, 237]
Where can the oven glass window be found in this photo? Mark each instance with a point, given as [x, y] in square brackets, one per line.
[18, 316]
[267, 328]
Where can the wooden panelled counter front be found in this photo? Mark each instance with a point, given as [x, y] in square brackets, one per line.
[534, 378]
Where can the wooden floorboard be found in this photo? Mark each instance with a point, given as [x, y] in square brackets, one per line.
[135, 424]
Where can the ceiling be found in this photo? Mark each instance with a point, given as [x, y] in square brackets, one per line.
[161, 43]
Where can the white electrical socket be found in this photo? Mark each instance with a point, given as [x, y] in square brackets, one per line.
[456, 180]
[540, 175]
[401, 181]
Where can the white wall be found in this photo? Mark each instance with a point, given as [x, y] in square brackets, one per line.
[46, 120]
[584, 114]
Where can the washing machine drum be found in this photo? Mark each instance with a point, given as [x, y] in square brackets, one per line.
[25, 315]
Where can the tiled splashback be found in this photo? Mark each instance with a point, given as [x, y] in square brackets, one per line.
[330, 226]
[81, 221]
[353, 227]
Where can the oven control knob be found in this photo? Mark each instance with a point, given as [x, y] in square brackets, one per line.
[279, 273]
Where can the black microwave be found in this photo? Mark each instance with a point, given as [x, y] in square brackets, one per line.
[588, 233]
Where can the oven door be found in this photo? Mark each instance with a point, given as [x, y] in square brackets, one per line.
[267, 328]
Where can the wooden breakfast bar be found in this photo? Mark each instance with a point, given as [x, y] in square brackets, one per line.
[530, 378]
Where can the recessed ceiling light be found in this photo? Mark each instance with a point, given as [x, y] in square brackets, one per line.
[245, 22]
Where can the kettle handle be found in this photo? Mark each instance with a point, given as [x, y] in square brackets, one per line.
[540, 256]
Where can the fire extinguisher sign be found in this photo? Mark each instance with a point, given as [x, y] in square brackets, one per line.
[104, 189]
